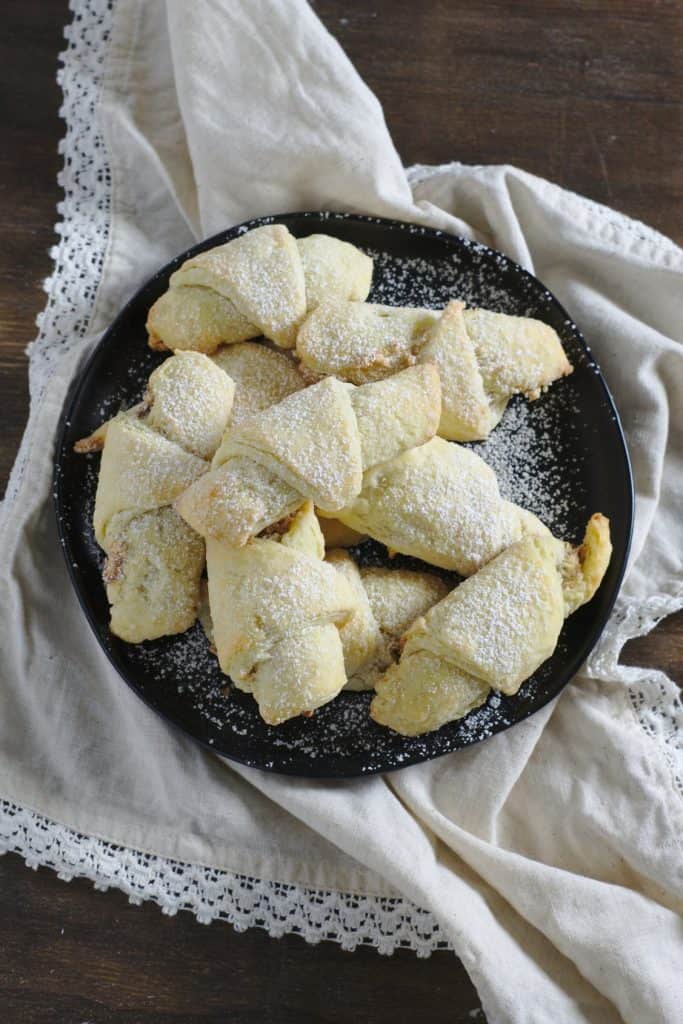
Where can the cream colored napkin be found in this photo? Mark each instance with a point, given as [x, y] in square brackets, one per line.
[550, 855]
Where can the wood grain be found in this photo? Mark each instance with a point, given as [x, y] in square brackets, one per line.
[70, 954]
[585, 93]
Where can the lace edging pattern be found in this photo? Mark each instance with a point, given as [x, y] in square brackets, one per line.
[655, 700]
[211, 894]
[83, 228]
[387, 923]
[618, 221]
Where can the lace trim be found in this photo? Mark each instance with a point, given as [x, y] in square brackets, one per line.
[84, 226]
[383, 922]
[211, 894]
[86, 180]
[618, 221]
[654, 698]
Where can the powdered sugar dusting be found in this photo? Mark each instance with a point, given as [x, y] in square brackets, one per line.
[262, 274]
[313, 437]
[538, 456]
[361, 342]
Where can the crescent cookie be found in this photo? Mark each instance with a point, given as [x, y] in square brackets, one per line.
[483, 358]
[361, 341]
[262, 377]
[492, 631]
[262, 282]
[314, 444]
[150, 455]
[441, 503]
[275, 609]
[387, 603]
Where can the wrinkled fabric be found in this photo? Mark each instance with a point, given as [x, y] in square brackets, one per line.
[551, 853]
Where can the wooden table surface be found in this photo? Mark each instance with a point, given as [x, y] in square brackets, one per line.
[585, 93]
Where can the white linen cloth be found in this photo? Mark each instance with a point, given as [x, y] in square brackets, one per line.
[548, 857]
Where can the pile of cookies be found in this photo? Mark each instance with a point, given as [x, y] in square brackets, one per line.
[236, 487]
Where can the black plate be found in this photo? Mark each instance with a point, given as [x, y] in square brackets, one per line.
[564, 457]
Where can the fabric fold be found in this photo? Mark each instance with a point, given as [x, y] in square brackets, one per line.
[348, 161]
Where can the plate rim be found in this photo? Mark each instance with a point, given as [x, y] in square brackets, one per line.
[58, 498]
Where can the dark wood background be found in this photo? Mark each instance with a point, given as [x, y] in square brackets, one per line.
[585, 93]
